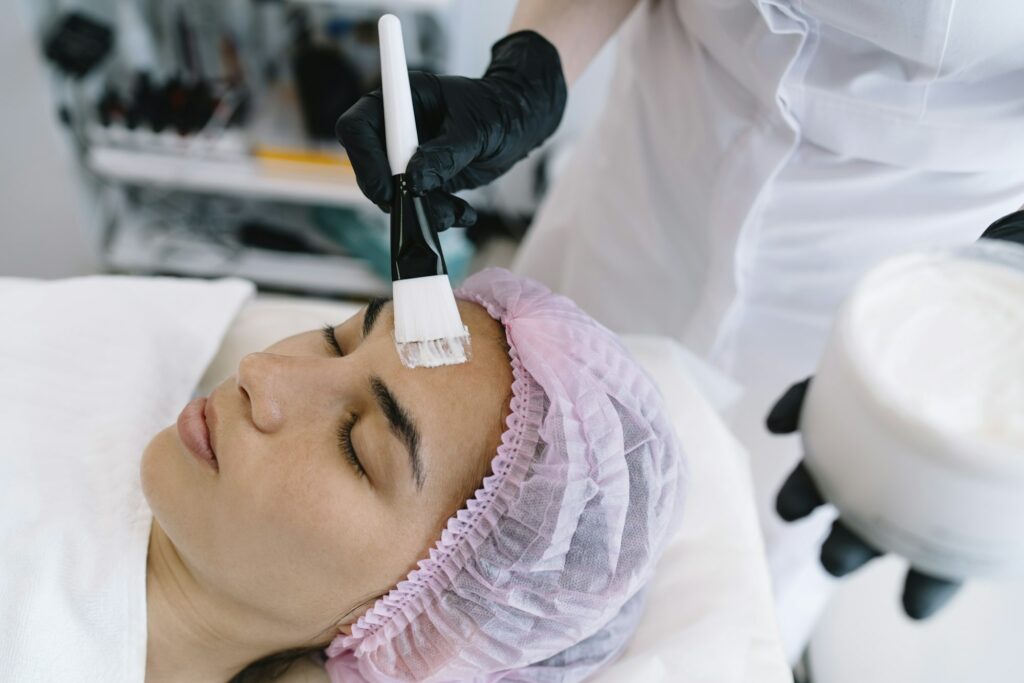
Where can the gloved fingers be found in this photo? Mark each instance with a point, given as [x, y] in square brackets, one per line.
[440, 159]
[360, 131]
[445, 210]
[924, 595]
[844, 551]
[798, 496]
[1009, 227]
[427, 103]
[784, 417]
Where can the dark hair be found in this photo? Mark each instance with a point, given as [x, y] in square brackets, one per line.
[273, 665]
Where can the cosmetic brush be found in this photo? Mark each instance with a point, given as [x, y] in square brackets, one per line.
[428, 328]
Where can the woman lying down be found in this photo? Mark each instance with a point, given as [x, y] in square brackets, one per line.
[496, 520]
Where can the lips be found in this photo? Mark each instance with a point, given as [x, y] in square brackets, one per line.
[195, 433]
[210, 417]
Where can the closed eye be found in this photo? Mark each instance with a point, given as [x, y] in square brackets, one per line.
[349, 450]
[331, 340]
[345, 430]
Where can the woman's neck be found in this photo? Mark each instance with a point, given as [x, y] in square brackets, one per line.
[190, 635]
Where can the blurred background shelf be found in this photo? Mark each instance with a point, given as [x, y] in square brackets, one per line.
[212, 124]
[203, 133]
[138, 249]
[278, 179]
[390, 5]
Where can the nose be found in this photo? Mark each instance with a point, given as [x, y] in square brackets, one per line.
[278, 387]
[259, 382]
[273, 385]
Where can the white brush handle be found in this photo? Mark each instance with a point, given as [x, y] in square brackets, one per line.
[399, 121]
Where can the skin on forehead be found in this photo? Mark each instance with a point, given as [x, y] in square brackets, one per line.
[288, 534]
[459, 410]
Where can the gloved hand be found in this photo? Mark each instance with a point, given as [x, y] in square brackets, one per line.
[843, 550]
[471, 130]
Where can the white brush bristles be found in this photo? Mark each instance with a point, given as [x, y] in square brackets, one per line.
[428, 328]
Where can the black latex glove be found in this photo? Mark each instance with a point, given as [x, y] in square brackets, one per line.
[843, 550]
[1009, 228]
[471, 130]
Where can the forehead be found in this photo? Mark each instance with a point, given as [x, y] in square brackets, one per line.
[488, 347]
[459, 409]
[476, 389]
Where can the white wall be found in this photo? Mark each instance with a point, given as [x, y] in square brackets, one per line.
[42, 233]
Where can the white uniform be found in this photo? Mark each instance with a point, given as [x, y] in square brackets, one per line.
[754, 159]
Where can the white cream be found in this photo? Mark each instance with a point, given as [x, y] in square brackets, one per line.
[941, 336]
[434, 353]
[914, 424]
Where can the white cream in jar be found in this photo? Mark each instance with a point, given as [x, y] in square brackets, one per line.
[914, 423]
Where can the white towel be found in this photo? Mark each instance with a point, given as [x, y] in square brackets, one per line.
[90, 369]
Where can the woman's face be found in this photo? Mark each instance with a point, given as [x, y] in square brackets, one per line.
[290, 526]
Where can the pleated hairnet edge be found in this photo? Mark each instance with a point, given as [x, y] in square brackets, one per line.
[397, 608]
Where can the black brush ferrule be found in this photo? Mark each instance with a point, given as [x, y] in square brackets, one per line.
[415, 246]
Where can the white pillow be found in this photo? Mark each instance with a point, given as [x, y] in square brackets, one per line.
[90, 369]
[112, 351]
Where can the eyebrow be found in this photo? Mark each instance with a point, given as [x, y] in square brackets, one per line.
[373, 310]
[401, 425]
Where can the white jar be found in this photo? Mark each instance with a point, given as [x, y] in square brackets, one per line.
[913, 425]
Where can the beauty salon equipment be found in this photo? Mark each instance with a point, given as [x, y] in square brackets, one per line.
[192, 120]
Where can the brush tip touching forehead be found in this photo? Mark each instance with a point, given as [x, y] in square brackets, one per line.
[429, 331]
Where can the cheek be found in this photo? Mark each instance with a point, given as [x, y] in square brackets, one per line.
[297, 526]
[182, 498]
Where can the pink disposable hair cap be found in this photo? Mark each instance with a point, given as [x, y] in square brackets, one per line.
[541, 575]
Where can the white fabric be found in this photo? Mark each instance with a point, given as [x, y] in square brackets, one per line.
[755, 158]
[92, 368]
